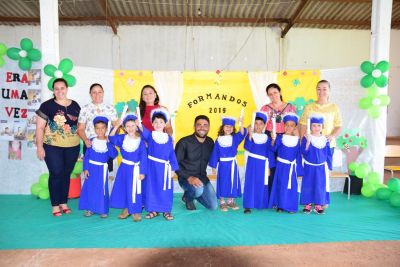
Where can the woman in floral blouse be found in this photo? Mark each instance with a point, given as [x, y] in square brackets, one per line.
[58, 143]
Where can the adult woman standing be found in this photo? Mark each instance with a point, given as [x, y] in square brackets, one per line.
[149, 100]
[276, 109]
[92, 110]
[58, 143]
[331, 112]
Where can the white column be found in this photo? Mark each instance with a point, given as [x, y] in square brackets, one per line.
[380, 45]
[49, 39]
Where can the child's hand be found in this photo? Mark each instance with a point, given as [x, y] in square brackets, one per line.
[213, 171]
[141, 177]
[86, 174]
[273, 136]
[172, 174]
[308, 137]
[118, 123]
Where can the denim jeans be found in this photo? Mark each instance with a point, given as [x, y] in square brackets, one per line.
[205, 194]
[60, 161]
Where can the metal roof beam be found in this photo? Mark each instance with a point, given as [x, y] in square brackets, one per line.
[295, 16]
[107, 12]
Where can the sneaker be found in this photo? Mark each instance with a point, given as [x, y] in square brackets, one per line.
[233, 205]
[318, 209]
[279, 210]
[307, 209]
[247, 211]
[190, 205]
[223, 207]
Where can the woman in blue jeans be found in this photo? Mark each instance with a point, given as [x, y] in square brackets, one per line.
[58, 143]
[193, 153]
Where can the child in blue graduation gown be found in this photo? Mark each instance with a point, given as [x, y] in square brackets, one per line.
[223, 158]
[94, 195]
[258, 146]
[161, 166]
[317, 159]
[127, 190]
[284, 195]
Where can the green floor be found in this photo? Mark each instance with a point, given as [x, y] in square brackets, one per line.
[26, 223]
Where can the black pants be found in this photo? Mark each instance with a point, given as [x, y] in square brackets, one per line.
[60, 161]
[110, 161]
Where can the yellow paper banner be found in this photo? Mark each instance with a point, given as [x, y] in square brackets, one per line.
[299, 83]
[215, 95]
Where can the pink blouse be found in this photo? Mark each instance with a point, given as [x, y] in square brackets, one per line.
[278, 114]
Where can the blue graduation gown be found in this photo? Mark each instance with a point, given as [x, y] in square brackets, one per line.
[159, 188]
[121, 195]
[94, 194]
[284, 194]
[314, 184]
[225, 187]
[255, 192]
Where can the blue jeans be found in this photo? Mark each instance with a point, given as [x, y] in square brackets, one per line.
[60, 161]
[205, 195]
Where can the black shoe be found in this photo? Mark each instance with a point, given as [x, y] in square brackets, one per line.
[190, 205]
[247, 211]
[279, 210]
[184, 198]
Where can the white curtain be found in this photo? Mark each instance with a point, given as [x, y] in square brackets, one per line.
[258, 83]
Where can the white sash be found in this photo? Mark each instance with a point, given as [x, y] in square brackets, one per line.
[266, 171]
[326, 171]
[136, 183]
[292, 166]
[167, 171]
[105, 172]
[233, 159]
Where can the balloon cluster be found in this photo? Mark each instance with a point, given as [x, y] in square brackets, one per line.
[375, 78]
[64, 67]
[25, 55]
[391, 193]
[371, 179]
[3, 51]
[41, 188]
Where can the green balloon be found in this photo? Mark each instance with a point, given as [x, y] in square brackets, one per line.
[13, 53]
[26, 44]
[2, 62]
[44, 194]
[364, 103]
[35, 189]
[65, 65]
[394, 184]
[395, 199]
[72, 176]
[381, 81]
[44, 181]
[367, 191]
[374, 112]
[374, 178]
[353, 166]
[383, 66]
[34, 55]
[383, 193]
[78, 168]
[362, 170]
[49, 70]
[50, 83]
[3, 49]
[71, 80]
[373, 91]
[25, 63]
[367, 81]
[385, 100]
[367, 67]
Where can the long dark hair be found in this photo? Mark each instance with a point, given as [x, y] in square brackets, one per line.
[94, 85]
[142, 104]
[276, 86]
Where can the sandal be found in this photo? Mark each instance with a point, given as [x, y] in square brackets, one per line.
[65, 210]
[151, 215]
[124, 214]
[103, 216]
[88, 213]
[223, 207]
[137, 217]
[233, 205]
[168, 216]
[57, 213]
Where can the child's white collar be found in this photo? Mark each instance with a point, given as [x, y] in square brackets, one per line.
[290, 140]
[159, 137]
[100, 146]
[259, 138]
[319, 141]
[130, 144]
[225, 140]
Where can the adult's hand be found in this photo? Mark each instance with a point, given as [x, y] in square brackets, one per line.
[40, 153]
[196, 182]
[88, 143]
